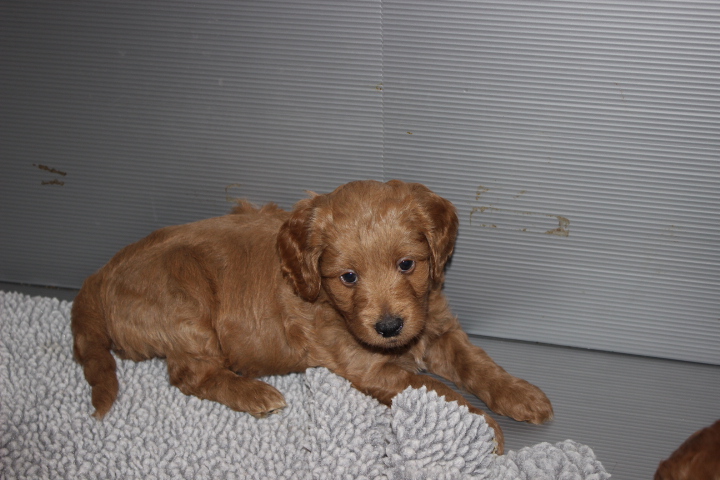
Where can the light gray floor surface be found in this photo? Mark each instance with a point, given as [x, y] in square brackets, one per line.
[633, 411]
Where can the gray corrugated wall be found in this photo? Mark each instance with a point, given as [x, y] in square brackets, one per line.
[579, 141]
[159, 113]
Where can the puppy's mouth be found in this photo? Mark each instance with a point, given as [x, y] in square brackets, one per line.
[395, 345]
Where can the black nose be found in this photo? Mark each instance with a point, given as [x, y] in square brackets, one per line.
[389, 326]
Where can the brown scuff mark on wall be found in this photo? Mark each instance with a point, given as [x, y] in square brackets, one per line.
[229, 198]
[480, 191]
[563, 229]
[52, 182]
[509, 219]
[49, 169]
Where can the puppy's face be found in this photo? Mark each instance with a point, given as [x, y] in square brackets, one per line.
[374, 251]
[375, 270]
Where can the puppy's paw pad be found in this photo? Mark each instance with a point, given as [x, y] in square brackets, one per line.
[266, 414]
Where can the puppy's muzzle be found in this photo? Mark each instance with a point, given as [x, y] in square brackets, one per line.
[389, 326]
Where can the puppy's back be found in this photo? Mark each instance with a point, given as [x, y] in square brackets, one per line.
[148, 276]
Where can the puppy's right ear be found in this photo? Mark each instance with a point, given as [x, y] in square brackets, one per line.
[300, 249]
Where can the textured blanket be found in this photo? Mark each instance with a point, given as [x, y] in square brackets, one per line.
[328, 431]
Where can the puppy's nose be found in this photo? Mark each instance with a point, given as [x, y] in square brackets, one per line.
[389, 326]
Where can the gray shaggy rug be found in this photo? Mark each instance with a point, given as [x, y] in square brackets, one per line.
[328, 431]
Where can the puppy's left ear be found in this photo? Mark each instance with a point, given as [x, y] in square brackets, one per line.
[300, 250]
[441, 228]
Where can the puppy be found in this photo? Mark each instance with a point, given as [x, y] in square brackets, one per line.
[351, 281]
[698, 458]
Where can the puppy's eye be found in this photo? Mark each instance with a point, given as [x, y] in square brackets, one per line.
[406, 266]
[349, 278]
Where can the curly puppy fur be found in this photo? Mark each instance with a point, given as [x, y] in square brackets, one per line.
[351, 281]
[698, 458]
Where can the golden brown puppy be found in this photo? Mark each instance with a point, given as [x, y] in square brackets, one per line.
[698, 458]
[351, 281]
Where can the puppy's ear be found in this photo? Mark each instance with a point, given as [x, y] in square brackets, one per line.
[300, 249]
[440, 229]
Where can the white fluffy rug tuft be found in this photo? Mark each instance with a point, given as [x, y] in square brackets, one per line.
[328, 431]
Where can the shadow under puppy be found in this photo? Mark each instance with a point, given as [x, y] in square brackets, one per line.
[350, 281]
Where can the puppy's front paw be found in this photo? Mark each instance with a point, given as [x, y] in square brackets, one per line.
[265, 400]
[521, 401]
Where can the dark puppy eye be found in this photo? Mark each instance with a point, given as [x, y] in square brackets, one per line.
[349, 278]
[406, 266]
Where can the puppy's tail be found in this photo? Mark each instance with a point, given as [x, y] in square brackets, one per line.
[92, 346]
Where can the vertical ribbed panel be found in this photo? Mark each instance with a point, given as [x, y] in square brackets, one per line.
[580, 143]
[157, 112]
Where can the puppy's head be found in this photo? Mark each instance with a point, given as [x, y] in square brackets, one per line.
[374, 251]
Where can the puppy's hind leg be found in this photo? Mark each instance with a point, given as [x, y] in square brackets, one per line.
[210, 380]
[91, 346]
